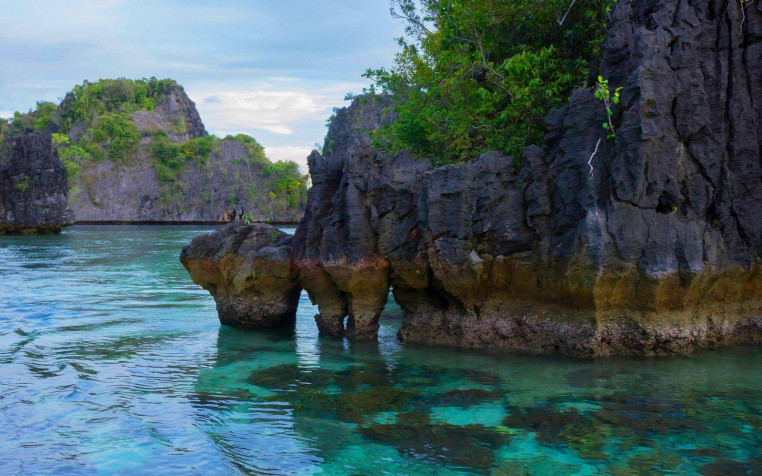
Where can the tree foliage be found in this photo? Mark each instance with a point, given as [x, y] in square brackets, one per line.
[286, 183]
[89, 100]
[478, 75]
[116, 134]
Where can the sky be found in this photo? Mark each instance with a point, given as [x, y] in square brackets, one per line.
[273, 69]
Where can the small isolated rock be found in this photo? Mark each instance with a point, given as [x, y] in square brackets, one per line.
[33, 186]
[248, 271]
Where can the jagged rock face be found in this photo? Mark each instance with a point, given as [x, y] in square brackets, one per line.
[360, 209]
[178, 107]
[663, 237]
[33, 186]
[655, 251]
[112, 192]
[248, 270]
[647, 244]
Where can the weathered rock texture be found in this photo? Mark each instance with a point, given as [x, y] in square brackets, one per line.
[220, 190]
[649, 246]
[33, 186]
[177, 109]
[248, 271]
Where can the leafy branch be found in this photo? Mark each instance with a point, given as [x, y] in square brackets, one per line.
[561, 20]
[603, 93]
[743, 4]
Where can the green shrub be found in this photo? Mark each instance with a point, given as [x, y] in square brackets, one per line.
[118, 134]
[478, 75]
[168, 158]
[23, 185]
[285, 184]
[199, 149]
[179, 126]
[72, 158]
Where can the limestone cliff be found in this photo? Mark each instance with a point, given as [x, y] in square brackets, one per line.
[33, 186]
[647, 244]
[221, 188]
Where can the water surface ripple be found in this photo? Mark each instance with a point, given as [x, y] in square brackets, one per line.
[112, 361]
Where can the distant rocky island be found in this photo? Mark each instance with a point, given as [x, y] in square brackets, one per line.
[645, 242]
[137, 151]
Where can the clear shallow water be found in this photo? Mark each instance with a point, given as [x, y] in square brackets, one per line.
[112, 361]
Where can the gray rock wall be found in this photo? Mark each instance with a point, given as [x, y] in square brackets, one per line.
[33, 186]
[218, 191]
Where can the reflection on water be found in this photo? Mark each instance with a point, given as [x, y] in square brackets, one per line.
[111, 360]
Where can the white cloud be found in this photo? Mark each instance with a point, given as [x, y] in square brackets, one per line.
[263, 108]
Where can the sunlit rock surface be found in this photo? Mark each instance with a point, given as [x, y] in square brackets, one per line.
[247, 268]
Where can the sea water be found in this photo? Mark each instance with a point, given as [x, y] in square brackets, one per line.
[113, 361]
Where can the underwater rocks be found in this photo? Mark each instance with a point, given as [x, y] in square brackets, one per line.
[648, 244]
[33, 186]
[248, 270]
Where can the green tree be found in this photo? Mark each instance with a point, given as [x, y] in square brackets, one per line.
[118, 134]
[478, 75]
[168, 157]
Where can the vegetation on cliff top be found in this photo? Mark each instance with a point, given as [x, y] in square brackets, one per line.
[96, 121]
[479, 75]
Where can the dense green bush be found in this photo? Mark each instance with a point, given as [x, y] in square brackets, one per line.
[169, 159]
[5, 129]
[117, 134]
[285, 183]
[478, 75]
[200, 148]
[72, 157]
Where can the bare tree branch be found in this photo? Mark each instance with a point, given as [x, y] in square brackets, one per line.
[590, 162]
[563, 19]
[485, 63]
[743, 10]
[409, 15]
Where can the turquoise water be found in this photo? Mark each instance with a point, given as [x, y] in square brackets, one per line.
[112, 361]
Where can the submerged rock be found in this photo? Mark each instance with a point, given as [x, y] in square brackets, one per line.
[33, 186]
[647, 244]
[248, 270]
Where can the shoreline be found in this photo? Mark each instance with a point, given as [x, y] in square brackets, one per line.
[169, 222]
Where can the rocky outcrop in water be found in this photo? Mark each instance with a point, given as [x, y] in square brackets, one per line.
[33, 186]
[248, 270]
[647, 244]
